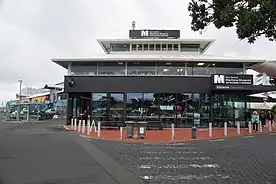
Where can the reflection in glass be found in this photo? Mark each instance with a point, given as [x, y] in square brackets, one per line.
[116, 110]
[166, 68]
[151, 105]
[84, 68]
[134, 105]
[99, 105]
[111, 68]
[140, 68]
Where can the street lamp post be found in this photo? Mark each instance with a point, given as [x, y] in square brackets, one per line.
[19, 106]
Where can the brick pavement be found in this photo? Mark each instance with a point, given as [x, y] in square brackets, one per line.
[237, 160]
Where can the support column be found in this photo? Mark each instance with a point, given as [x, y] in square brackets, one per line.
[69, 71]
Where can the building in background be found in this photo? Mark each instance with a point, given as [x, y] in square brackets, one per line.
[155, 76]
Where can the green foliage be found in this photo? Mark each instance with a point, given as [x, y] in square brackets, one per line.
[274, 109]
[252, 18]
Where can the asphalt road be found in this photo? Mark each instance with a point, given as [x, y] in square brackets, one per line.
[44, 153]
[239, 160]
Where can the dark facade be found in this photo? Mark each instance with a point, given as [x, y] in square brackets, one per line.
[184, 100]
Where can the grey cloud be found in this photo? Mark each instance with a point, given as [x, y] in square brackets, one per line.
[34, 31]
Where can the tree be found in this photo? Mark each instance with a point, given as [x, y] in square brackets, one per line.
[252, 18]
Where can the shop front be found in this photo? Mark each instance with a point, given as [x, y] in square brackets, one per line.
[183, 101]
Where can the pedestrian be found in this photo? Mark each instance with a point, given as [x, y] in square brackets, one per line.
[270, 117]
[255, 119]
[262, 118]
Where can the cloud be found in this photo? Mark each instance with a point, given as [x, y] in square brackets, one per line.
[34, 31]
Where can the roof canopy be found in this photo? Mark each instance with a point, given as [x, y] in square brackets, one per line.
[64, 62]
[204, 43]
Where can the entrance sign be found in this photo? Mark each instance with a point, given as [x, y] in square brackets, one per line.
[154, 34]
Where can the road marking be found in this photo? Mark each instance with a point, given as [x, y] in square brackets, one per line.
[249, 136]
[272, 134]
[182, 166]
[216, 140]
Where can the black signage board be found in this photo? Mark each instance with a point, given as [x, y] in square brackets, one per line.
[154, 34]
[231, 80]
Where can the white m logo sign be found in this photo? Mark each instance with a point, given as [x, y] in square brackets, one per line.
[219, 79]
[144, 33]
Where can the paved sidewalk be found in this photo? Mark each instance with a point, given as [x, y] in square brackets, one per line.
[44, 153]
[237, 160]
[181, 134]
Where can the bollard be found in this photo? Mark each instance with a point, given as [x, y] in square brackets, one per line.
[194, 132]
[75, 124]
[72, 123]
[88, 127]
[270, 126]
[93, 124]
[225, 129]
[210, 129]
[83, 126]
[99, 129]
[121, 133]
[79, 126]
[238, 128]
[261, 127]
[250, 127]
[173, 133]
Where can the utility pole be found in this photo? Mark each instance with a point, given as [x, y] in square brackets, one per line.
[19, 105]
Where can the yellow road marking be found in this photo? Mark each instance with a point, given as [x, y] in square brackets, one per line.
[249, 136]
[216, 140]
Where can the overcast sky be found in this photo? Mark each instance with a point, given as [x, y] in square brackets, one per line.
[34, 31]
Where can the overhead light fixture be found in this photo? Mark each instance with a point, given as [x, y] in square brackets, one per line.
[165, 69]
[213, 64]
[200, 64]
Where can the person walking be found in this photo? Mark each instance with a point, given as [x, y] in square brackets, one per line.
[255, 119]
[262, 118]
[270, 117]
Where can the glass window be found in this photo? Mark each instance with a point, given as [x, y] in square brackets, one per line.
[84, 68]
[151, 47]
[164, 47]
[158, 47]
[99, 106]
[229, 68]
[167, 68]
[116, 107]
[133, 47]
[120, 47]
[111, 68]
[175, 47]
[201, 69]
[167, 107]
[150, 106]
[170, 47]
[139, 46]
[146, 47]
[141, 68]
[189, 47]
[134, 106]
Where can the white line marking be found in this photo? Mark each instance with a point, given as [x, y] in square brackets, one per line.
[183, 177]
[216, 140]
[272, 134]
[174, 158]
[249, 136]
[183, 166]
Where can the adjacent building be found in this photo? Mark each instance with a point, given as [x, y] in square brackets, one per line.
[157, 77]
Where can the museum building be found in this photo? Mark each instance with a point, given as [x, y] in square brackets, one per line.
[156, 76]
